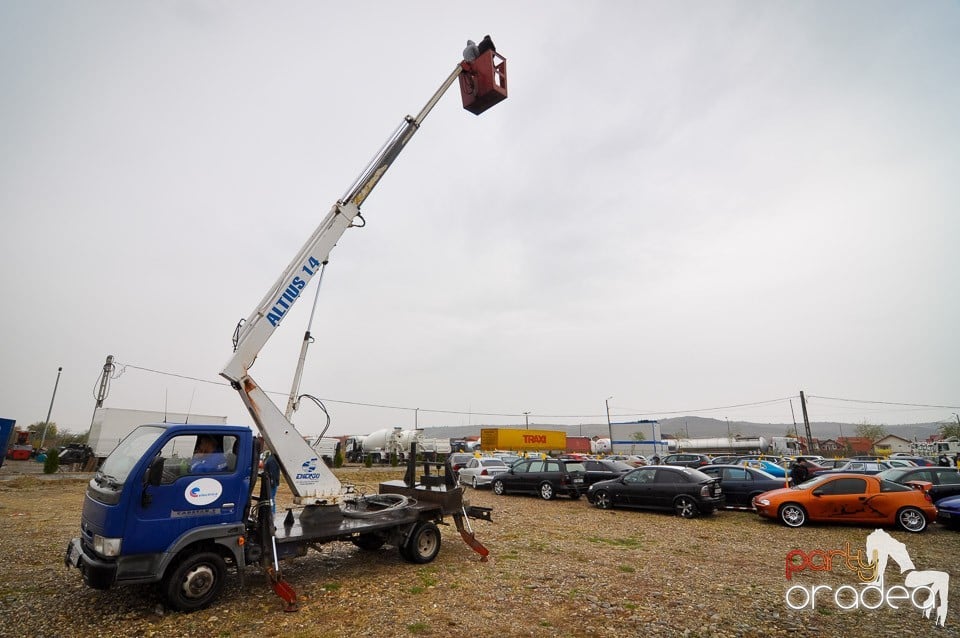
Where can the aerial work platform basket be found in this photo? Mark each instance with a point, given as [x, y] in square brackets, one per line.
[483, 81]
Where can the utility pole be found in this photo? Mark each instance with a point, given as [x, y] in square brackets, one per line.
[526, 418]
[609, 425]
[806, 423]
[46, 423]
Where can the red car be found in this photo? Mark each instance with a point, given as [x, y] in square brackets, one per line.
[854, 498]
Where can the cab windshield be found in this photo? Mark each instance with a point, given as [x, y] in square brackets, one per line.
[124, 457]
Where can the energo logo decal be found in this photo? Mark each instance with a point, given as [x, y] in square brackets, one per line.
[922, 590]
[308, 470]
[203, 491]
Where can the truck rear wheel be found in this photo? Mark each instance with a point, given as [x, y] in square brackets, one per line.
[195, 582]
[423, 544]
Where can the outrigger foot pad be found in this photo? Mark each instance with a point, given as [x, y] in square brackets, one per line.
[283, 589]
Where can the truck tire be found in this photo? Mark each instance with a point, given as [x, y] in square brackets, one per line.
[195, 581]
[423, 544]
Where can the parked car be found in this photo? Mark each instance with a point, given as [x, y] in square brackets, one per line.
[508, 459]
[686, 460]
[855, 467]
[603, 470]
[480, 471]
[459, 460]
[729, 459]
[948, 512]
[544, 477]
[900, 463]
[740, 483]
[921, 461]
[769, 467]
[685, 490]
[849, 498]
[831, 464]
[633, 460]
[945, 481]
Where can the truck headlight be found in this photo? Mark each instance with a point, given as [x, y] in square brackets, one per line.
[109, 547]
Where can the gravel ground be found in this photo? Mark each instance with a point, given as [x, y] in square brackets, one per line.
[558, 568]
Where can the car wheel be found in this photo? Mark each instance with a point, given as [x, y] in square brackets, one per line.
[498, 488]
[912, 519]
[546, 491]
[423, 544]
[686, 507]
[474, 483]
[196, 581]
[793, 515]
[575, 495]
[602, 500]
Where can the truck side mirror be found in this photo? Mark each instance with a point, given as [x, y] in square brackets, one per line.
[155, 471]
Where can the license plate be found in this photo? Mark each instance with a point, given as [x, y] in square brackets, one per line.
[578, 480]
[73, 555]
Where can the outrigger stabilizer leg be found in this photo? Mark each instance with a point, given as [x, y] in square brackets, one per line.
[269, 561]
[462, 519]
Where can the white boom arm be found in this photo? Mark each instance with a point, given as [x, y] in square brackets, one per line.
[308, 477]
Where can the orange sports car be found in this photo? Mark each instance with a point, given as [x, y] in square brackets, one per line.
[854, 498]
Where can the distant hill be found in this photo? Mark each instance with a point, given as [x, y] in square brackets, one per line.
[695, 426]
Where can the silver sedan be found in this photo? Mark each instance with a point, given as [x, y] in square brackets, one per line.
[481, 471]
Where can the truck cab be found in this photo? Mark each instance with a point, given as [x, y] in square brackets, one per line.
[164, 491]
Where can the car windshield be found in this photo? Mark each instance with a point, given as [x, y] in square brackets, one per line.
[620, 466]
[575, 466]
[118, 465]
[492, 463]
[697, 475]
[893, 474]
[813, 482]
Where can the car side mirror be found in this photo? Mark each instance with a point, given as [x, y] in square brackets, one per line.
[155, 471]
[817, 492]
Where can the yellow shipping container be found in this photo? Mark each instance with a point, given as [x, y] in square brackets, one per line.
[510, 439]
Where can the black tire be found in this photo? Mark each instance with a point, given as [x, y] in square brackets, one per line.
[423, 544]
[369, 542]
[546, 491]
[195, 581]
[575, 495]
[792, 515]
[685, 507]
[912, 520]
[602, 500]
[499, 488]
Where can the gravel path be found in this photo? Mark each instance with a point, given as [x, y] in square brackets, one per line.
[558, 568]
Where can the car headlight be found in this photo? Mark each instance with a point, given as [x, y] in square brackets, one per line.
[108, 547]
[763, 501]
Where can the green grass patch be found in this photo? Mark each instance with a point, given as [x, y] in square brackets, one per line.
[418, 628]
[627, 569]
[628, 543]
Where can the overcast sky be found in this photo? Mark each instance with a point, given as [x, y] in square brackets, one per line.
[685, 206]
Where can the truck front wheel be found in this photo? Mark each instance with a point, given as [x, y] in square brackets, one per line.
[195, 582]
[423, 544]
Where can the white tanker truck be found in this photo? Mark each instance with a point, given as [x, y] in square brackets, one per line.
[380, 444]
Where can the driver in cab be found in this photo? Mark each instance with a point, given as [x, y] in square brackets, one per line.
[208, 456]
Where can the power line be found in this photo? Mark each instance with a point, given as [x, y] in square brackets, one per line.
[914, 405]
[633, 412]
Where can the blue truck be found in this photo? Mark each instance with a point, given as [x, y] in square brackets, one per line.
[154, 513]
[175, 504]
